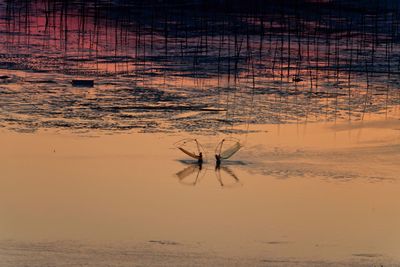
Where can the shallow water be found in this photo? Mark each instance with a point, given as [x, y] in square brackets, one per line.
[294, 195]
[164, 68]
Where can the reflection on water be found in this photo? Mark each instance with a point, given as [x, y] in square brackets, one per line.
[194, 173]
[232, 178]
[164, 67]
[187, 172]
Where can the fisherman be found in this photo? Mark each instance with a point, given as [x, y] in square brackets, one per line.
[217, 160]
[200, 159]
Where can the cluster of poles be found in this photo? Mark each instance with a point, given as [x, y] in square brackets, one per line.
[343, 52]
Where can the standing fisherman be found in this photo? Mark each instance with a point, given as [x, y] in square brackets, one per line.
[217, 160]
[200, 158]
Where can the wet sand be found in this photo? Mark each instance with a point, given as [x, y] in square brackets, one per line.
[296, 195]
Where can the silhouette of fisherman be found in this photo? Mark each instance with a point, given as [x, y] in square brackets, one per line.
[217, 161]
[200, 159]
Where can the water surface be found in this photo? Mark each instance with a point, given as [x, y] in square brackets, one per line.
[90, 176]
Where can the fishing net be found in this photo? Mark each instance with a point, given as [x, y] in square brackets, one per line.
[190, 147]
[229, 152]
[228, 147]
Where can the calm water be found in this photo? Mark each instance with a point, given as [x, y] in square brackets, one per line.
[294, 196]
[89, 176]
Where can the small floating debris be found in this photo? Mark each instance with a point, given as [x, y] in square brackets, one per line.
[82, 83]
[41, 81]
[6, 79]
[164, 242]
[367, 255]
[297, 79]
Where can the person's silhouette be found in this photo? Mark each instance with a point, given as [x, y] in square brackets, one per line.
[200, 159]
[217, 160]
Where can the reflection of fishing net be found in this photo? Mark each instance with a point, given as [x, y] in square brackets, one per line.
[186, 171]
[226, 182]
[191, 175]
[228, 147]
[190, 147]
